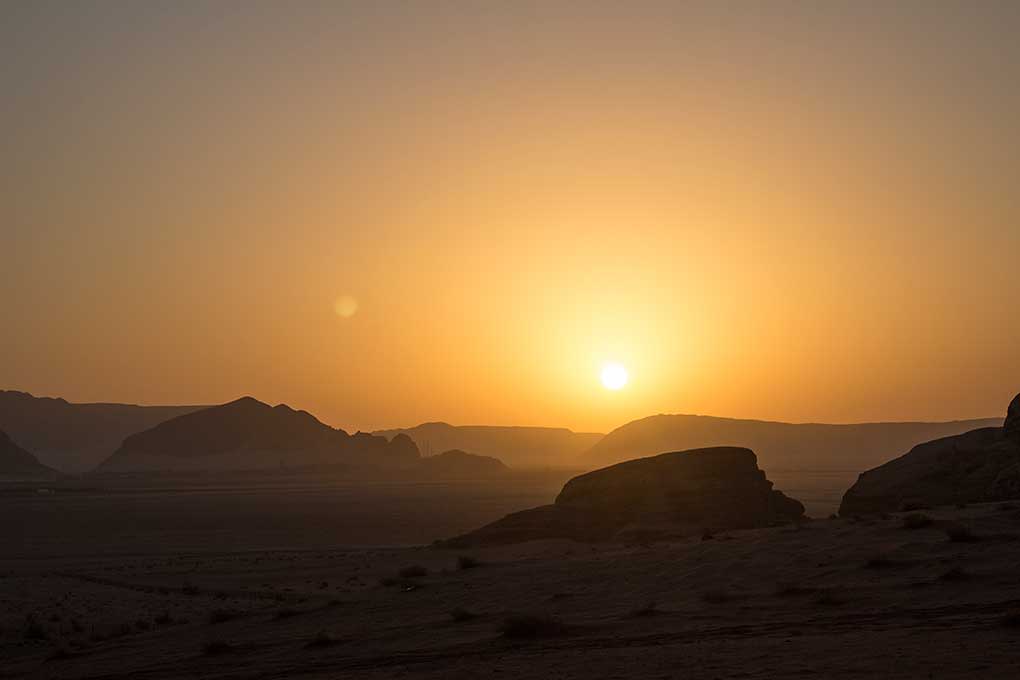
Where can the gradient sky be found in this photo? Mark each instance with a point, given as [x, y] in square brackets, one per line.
[785, 210]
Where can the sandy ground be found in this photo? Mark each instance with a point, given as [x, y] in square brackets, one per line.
[836, 598]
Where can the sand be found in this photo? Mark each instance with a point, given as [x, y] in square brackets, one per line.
[830, 598]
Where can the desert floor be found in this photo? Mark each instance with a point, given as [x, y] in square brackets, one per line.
[830, 598]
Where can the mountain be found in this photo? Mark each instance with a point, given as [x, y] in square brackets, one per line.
[672, 494]
[247, 434]
[457, 464]
[978, 466]
[17, 463]
[515, 446]
[778, 445]
[76, 437]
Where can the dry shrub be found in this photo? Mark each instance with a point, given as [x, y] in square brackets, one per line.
[525, 626]
[917, 520]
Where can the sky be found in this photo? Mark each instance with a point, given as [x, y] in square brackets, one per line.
[395, 212]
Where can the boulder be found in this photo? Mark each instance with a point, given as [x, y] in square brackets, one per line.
[670, 494]
[978, 466]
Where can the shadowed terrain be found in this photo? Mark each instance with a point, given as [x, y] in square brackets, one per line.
[831, 598]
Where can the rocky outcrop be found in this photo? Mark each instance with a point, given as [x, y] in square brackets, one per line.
[979, 466]
[16, 462]
[669, 494]
[247, 434]
[1011, 428]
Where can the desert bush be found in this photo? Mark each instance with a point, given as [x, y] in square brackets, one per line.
[522, 626]
[222, 615]
[791, 589]
[321, 639]
[467, 562]
[958, 533]
[285, 613]
[955, 574]
[650, 608]
[413, 571]
[716, 596]
[1011, 620]
[879, 562]
[910, 506]
[916, 520]
[33, 630]
[389, 581]
[460, 615]
[829, 599]
[707, 535]
[216, 647]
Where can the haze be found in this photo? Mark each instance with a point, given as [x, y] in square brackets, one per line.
[389, 213]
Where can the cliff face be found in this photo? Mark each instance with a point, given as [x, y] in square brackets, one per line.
[672, 493]
[978, 466]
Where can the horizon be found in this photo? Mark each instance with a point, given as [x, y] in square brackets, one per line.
[508, 425]
[544, 214]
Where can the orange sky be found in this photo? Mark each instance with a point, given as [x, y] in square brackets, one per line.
[778, 210]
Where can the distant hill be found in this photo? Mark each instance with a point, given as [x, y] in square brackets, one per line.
[778, 445]
[515, 446]
[247, 434]
[17, 463]
[456, 464]
[76, 437]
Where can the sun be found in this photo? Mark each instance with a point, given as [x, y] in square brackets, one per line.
[614, 376]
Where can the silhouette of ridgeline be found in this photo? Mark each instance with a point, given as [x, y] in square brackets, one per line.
[516, 446]
[778, 445]
[76, 437]
[247, 434]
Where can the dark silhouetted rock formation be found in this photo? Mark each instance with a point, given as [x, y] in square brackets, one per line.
[1012, 425]
[978, 466]
[515, 446]
[249, 435]
[668, 494]
[457, 464]
[76, 437]
[16, 462]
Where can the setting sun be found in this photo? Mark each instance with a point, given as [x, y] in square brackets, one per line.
[614, 376]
